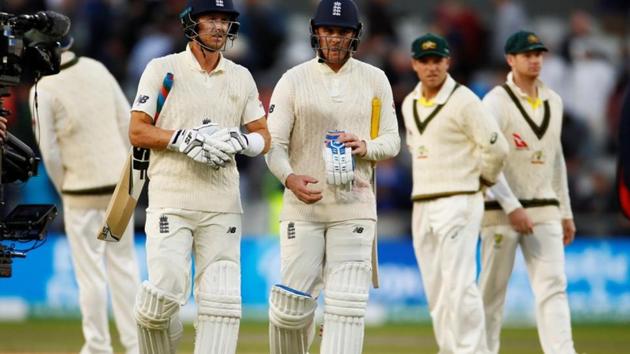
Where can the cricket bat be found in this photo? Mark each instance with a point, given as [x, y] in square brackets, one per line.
[375, 124]
[132, 180]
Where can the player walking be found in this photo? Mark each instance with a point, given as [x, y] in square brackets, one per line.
[320, 121]
[457, 148]
[82, 120]
[194, 201]
[530, 206]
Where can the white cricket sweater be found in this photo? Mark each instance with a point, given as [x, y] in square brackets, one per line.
[535, 172]
[227, 96]
[311, 99]
[456, 148]
[81, 123]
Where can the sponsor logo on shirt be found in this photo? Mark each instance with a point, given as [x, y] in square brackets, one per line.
[493, 138]
[142, 99]
[519, 143]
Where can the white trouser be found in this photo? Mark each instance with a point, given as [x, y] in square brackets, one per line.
[544, 255]
[445, 234]
[173, 237]
[311, 252]
[98, 264]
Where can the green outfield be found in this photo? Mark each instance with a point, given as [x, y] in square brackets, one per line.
[64, 336]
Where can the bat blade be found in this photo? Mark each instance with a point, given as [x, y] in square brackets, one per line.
[121, 206]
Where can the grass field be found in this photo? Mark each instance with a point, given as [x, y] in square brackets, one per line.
[64, 336]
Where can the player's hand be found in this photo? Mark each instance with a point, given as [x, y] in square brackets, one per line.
[521, 222]
[3, 129]
[568, 231]
[359, 147]
[298, 184]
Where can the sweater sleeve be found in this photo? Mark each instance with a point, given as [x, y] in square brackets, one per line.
[280, 119]
[148, 90]
[502, 192]
[482, 128]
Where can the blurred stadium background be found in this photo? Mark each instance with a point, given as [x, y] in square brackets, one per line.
[589, 65]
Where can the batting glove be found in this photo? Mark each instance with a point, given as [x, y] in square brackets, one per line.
[339, 161]
[203, 144]
[237, 140]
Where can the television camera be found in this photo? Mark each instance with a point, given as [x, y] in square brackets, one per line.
[28, 50]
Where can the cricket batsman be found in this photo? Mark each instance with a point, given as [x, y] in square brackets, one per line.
[320, 119]
[529, 206]
[194, 200]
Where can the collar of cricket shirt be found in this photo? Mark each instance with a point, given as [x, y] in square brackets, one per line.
[194, 64]
[68, 59]
[438, 102]
[325, 69]
[543, 95]
[443, 94]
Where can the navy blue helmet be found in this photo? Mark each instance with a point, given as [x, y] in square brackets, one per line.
[195, 8]
[337, 13]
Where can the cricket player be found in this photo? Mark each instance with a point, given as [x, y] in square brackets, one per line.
[529, 207]
[194, 200]
[81, 119]
[320, 121]
[457, 149]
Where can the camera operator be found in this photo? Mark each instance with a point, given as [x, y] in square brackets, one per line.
[82, 118]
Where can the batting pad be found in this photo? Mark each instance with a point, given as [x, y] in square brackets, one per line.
[219, 309]
[175, 332]
[290, 320]
[153, 311]
[347, 290]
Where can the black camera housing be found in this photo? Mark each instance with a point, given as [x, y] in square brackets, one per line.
[29, 49]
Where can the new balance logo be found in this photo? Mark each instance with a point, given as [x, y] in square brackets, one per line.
[291, 231]
[336, 11]
[164, 227]
[231, 230]
[358, 230]
[219, 3]
[142, 99]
